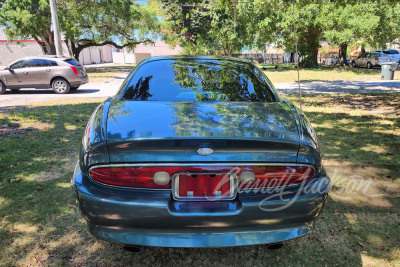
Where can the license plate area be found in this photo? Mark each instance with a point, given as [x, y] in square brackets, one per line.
[204, 186]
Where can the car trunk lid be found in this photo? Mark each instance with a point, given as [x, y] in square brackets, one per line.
[158, 131]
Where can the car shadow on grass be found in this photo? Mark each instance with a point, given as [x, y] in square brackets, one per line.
[41, 223]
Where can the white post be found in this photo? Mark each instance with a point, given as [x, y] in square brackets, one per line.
[56, 27]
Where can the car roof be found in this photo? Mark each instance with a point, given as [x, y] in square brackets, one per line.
[189, 57]
[54, 57]
[390, 51]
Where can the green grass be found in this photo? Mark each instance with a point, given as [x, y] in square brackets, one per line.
[40, 223]
[105, 73]
[288, 73]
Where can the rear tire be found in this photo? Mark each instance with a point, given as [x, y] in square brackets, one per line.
[369, 65]
[60, 86]
[2, 88]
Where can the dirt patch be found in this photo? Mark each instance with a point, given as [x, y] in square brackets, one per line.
[56, 172]
[11, 128]
[370, 187]
[384, 104]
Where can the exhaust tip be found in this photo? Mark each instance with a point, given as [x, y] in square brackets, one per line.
[131, 248]
[275, 246]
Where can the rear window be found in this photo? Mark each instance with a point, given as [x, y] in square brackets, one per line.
[388, 52]
[377, 54]
[42, 63]
[72, 62]
[198, 80]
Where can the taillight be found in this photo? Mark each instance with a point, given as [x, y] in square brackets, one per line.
[271, 176]
[376, 58]
[161, 177]
[74, 69]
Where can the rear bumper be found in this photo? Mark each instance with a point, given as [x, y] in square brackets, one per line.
[153, 218]
[197, 239]
[78, 81]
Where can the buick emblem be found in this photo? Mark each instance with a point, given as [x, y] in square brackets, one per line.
[204, 151]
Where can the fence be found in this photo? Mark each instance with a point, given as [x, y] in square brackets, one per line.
[262, 57]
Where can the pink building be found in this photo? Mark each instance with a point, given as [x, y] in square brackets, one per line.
[159, 48]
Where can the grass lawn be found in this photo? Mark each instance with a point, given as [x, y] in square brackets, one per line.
[288, 73]
[359, 135]
[104, 73]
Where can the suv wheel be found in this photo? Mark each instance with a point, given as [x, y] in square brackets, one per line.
[369, 65]
[2, 88]
[60, 86]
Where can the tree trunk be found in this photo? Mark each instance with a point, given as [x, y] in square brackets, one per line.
[48, 42]
[311, 38]
[47, 48]
[311, 59]
[291, 60]
[73, 50]
[343, 54]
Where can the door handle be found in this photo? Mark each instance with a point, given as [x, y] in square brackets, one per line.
[25, 72]
[48, 70]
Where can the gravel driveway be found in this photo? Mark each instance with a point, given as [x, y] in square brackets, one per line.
[109, 88]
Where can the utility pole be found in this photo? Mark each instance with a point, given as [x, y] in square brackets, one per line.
[56, 27]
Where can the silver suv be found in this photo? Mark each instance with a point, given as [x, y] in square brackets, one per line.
[62, 74]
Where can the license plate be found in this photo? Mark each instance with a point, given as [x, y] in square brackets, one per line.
[204, 186]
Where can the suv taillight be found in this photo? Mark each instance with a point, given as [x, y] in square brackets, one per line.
[160, 177]
[376, 58]
[74, 69]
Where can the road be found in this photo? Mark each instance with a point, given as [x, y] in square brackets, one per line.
[109, 88]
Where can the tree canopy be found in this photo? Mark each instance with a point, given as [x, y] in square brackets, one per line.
[84, 23]
[220, 27]
[231, 25]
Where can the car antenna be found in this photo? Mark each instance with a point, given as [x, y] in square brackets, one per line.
[297, 56]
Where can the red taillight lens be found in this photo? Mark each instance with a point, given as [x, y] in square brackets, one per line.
[74, 69]
[376, 58]
[141, 177]
[155, 177]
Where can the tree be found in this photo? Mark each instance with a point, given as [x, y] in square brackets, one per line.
[84, 23]
[121, 23]
[363, 24]
[207, 27]
[342, 23]
[25, 19]
[186, 22]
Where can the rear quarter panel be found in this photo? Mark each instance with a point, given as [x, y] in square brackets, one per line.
[94, 145]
